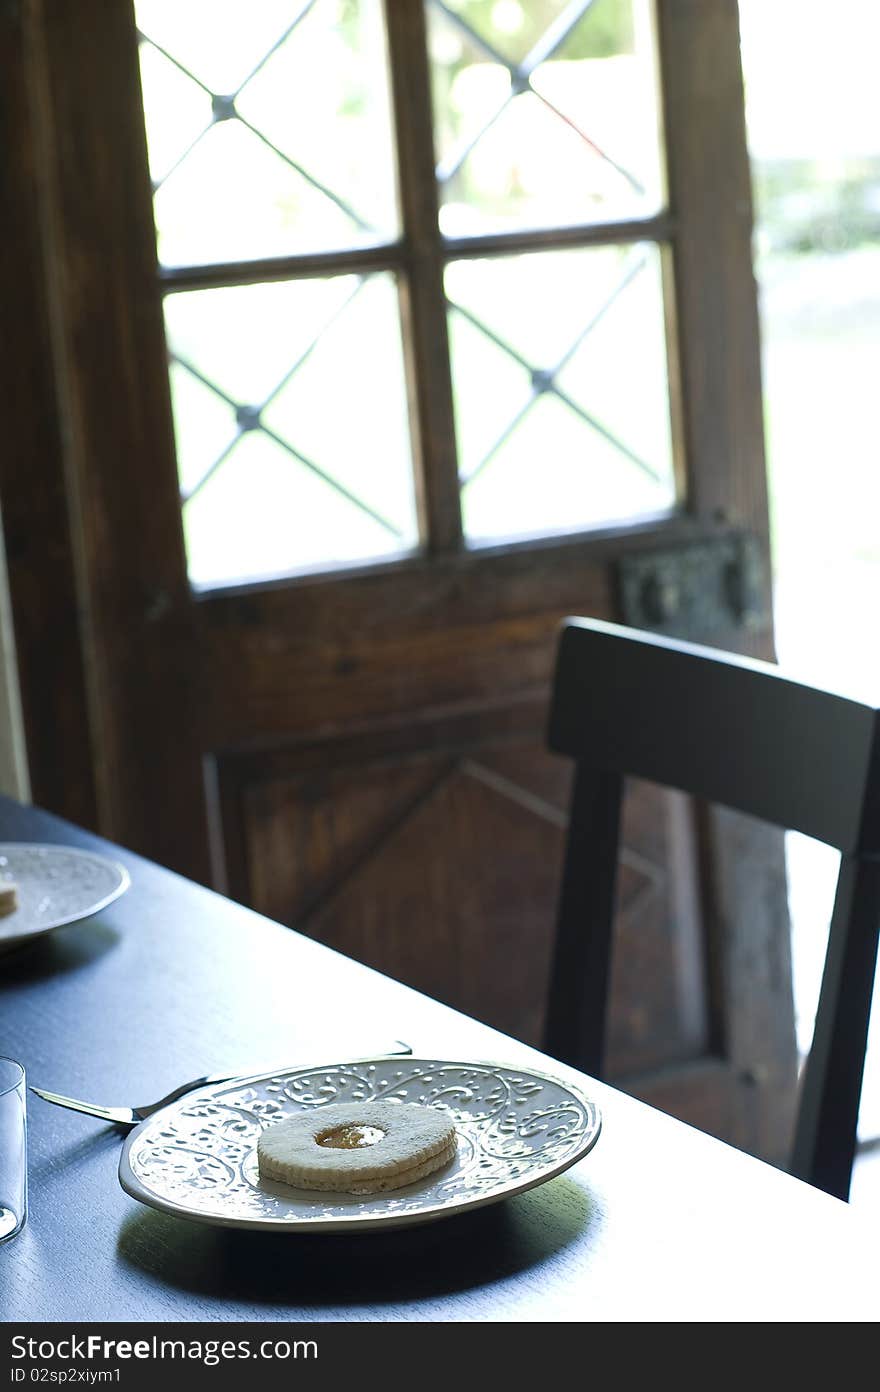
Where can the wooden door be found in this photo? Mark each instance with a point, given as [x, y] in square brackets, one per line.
[354, 743]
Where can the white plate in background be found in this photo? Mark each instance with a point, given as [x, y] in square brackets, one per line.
[55, 885]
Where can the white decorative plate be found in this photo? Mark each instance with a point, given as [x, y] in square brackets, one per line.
[197, 1158]
[55, 885]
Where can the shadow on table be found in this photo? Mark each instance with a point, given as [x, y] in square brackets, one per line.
[60, 950]
[64, 1160]
[330, 1271]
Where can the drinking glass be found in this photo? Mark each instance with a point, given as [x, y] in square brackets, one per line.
[13, 1149]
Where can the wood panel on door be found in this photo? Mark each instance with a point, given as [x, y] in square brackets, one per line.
[433, 853]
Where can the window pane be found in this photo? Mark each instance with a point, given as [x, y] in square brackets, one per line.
[291, 425]
[561, 390]
[268, 127]
[545, 113]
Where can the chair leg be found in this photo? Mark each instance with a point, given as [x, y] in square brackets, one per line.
[826, 1131]
[578, 998]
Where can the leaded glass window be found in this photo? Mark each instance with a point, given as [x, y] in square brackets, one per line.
[293, 220]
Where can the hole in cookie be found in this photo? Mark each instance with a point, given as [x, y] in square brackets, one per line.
[352, 1136]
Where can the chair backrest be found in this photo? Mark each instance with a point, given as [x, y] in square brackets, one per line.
[745, 735]
[730, 729]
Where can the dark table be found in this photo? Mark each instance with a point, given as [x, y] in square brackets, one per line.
[658, 1222]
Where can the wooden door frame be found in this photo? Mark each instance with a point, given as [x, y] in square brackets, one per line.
[104, 571]
[117, 594]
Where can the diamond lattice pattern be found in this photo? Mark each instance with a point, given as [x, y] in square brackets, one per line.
[546, 113]
[268, 127]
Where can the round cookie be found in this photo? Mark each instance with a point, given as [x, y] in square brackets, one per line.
[357, 1147]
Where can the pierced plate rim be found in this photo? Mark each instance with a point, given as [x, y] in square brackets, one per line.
[360, 1222]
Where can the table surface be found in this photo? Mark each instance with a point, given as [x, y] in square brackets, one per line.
[658, 1223]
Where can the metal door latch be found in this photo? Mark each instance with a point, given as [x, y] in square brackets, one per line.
[697, 589]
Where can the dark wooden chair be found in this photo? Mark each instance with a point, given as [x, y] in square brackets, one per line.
[742, 734]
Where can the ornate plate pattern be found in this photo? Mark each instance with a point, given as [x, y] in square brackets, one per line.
[56, 885]
[198, 1157]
